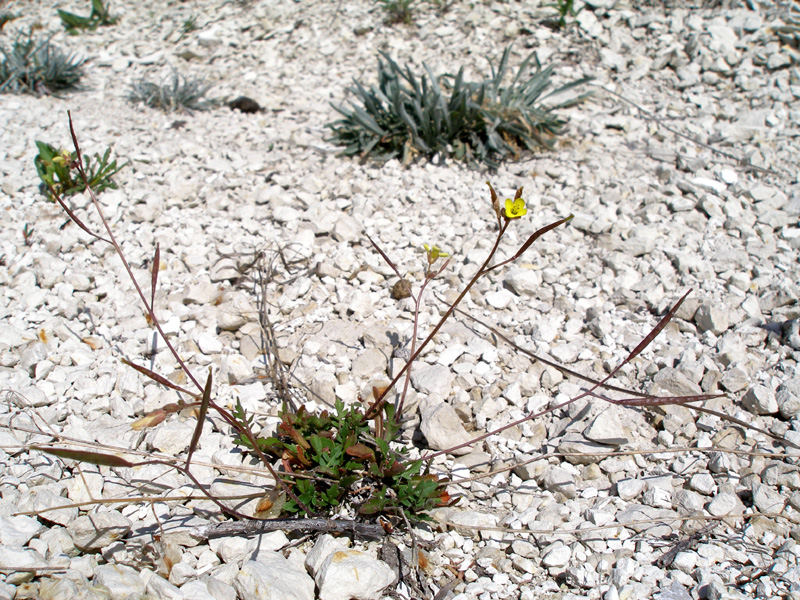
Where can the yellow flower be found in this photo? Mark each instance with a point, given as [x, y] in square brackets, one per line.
[515, 208]
[64, 158]
[434, 253]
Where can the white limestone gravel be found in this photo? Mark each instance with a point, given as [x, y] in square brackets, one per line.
[596, 497]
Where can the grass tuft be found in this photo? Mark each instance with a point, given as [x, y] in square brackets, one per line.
[100, 15]
[406, 116]
[37, 67]
[398, 11]
[173, 93]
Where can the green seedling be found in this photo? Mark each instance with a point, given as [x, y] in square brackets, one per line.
[405, 116]
[27, 234]
[100, 15]
[190, 25]
[56, 170]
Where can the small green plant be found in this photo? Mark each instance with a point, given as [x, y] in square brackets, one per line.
[55, 169]
[27, 234]
[334, 459]
[100, 15]
[565, 8]
[173, 93]
[37, 67]
[406, 116]
[348, 458]
[190, 25]
[398, 11]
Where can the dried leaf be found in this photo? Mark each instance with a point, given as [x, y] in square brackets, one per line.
[361, 452]
[94, 342]
[151, 419]
[154, 278]
[201, 417]
[94, 458]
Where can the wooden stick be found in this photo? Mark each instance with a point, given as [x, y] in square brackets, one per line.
[256, 527]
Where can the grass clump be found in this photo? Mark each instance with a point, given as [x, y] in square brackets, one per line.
[37, 67]
[564, 8]
[398, 11]
[173, 93]
[407, 116]
[100, 15]
[58, 177]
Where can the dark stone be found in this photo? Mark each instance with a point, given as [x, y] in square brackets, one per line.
[401, 289]
[245, 105]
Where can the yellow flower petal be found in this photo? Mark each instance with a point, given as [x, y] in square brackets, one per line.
[515, 208]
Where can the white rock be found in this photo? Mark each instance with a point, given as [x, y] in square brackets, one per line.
[685, 561]
[712, 318]
[760, 400]
[347, 574]
[524, 281]
[122, 581]
[451, 354]
[703, 483]
[558, 556]
[32, 355]
[269, 542]
[172, 437]
[233, 549]
[19, 530]
[202, 292]
[767, 499]
[435, 380]
[725, 504]
[45, 502]
[566, 352]
[161, 588]
[273, 578]
[628, 489]
[324, 547]
[442, 427]
[181, 573]
[729, 176]
[208, 343]
[347, 229]
[712, 185]
[560, 480]
[237, 369]
[788, 398]
[608, 428]
[208, 588]
[98, 530]
[500, 299]
[25, 559]
[372, 363]
[129, 384]
[286, 214]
